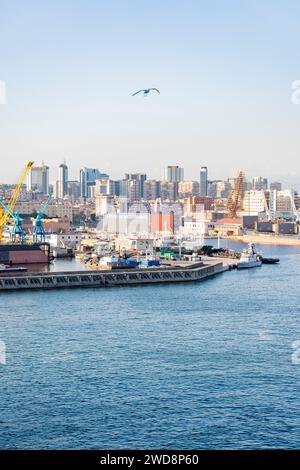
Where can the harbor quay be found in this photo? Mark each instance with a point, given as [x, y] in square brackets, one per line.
[183, 272]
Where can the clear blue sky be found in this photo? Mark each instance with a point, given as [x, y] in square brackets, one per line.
[224, 69]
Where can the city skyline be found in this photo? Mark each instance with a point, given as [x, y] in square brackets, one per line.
[68, 95]
[168, 173]
[75, 176]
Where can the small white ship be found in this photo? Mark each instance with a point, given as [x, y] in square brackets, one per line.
[249, 258]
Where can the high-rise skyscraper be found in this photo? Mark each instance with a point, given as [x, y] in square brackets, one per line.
[38, 179]
[173, 173]
[140, 178]
[168, 190]
[151, 190]
[88, 177]
[62, 182]
[259, 183]
[203, 181]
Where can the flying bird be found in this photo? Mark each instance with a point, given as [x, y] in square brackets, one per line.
[146, 91]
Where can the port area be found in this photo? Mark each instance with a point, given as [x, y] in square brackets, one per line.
[172, 272]
[228, 263]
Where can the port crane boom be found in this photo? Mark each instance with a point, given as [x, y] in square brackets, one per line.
[38, 231]
[17, 230]
[4, 215]
[294, 209]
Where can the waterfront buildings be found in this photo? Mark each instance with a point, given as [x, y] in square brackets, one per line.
[283, 202]
[254, 201]
[137, 205]
[228, 226]
[196, 227]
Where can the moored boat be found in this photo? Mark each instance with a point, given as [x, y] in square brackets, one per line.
[269, 260]
[249, 258]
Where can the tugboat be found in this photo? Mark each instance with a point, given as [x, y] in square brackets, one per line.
[249, 258]
[269, 260]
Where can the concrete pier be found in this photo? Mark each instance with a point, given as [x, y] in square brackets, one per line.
[110, 278]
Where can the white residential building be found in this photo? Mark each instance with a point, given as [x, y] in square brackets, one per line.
[254, 202]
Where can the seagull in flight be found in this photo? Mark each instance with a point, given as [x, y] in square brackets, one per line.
[146, 91]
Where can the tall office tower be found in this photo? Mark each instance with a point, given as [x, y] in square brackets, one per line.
[173, 173]
[151, 190]
[62, 182]
[122, 187]
[259, 183]
[141, 178]
[88, 177]
[134, 190]
[38, 179]
[275, 185]
[169, 190]
[203, 181]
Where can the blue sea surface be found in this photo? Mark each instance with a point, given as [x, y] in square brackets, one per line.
[188, 366]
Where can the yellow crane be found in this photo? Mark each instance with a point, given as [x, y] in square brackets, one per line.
[4, 216]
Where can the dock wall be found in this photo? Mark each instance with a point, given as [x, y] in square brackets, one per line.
[69, 279]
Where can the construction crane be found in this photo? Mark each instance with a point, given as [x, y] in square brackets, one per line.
[17, 230]
[235, 198]
[38, 230]
[293, 195]
[4, 215]
[267, 206]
